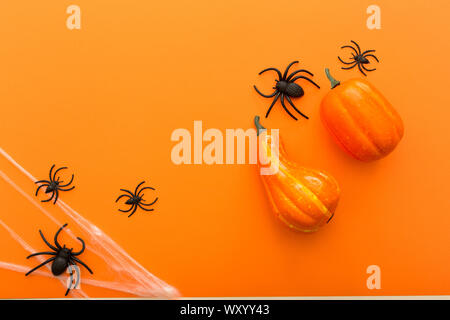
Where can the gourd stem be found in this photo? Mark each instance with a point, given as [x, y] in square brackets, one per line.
[258, 125]
[333, 81]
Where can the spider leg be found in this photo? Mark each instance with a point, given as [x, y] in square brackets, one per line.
[298, 71]
[43, 185]
[145, 208]
[137, 188]
[57, 195]
[57, 234]
[350, 67]
[42, 264]
[46, 242]
[71, 188]
[150, 204]
[131, 208]
[82, 249]
[293, 106]
[371, 55]
[128, 191]
[350, 48]
[65, 185]
[39, 253]
[50, 174]
[367, 51]
[42, 181]
[49, 199]
[302, 77]
[273, 103]
[359, 49]
[265, 95]
[359, 67]
[123, 195]
[367, 69]
[134, 210]
[139, 193]
[284, 107]
[344, 61]
[287, 69]
[82, 263]
[54, 175]
[276, 70]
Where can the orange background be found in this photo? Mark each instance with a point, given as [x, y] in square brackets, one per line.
[105, 99]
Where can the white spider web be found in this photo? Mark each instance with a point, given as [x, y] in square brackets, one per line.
[118, 270]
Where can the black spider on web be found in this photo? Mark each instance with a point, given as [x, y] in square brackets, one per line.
[62, 257]
[54, 185]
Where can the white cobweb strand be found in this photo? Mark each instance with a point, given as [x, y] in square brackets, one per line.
[115, 256]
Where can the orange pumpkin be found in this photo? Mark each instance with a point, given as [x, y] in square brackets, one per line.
[360, 119]
[302, 198]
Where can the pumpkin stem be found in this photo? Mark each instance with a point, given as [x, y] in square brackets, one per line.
[258, 125]
[333, 81]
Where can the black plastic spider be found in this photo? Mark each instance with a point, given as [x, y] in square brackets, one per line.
[286, 87]
[63, 256]
[54, 185]
[359, 58]
[136, 199]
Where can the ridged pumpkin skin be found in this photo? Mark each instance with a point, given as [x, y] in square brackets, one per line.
[361, 120]
[302, 198]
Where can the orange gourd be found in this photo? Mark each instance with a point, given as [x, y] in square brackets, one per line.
[302, 198]
[360, 119]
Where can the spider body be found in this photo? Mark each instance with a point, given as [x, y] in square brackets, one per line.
[133, 200]
[54, 185]
[136, 199]
[286, 88]
[359, 58]
[62, 256]
[362, 60]
[290, 88]
[61, 261]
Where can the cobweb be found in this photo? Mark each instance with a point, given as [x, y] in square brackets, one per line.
[114, 268]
